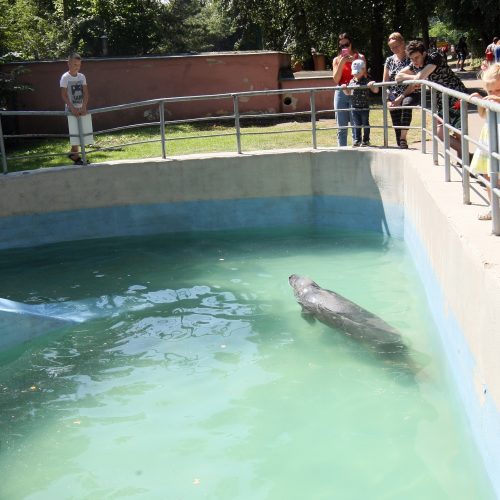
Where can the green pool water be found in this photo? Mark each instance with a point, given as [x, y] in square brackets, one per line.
[195, 375]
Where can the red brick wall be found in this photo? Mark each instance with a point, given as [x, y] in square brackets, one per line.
[121, 81]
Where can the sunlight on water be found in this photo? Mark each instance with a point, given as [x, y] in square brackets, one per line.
[194, 375]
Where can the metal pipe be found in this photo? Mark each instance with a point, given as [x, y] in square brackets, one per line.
[81, 139]
[434, 126]
[464, 108]
[494, 164]
[162, 130]
[312, 100]
[237, 122]
[446, 137]
[423, 119]
[2, 150]
[384, 118]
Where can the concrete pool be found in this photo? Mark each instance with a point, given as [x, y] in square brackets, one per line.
[398, 194]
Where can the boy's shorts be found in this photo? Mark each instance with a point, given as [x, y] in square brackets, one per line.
[88, 133]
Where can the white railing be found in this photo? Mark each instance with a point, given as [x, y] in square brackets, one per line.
[440, 148]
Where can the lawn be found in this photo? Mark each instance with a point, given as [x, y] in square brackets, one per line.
[192, 138]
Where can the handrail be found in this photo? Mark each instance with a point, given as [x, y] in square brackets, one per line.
[492, 151]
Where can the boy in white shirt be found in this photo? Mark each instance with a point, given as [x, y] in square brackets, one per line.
[75, 94]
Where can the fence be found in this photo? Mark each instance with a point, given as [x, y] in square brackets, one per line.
[428, 108]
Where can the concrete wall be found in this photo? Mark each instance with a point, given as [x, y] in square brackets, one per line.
[126, 80]
[43, 206]
[400, 193]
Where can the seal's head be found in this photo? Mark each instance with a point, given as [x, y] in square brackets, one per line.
[301, 284]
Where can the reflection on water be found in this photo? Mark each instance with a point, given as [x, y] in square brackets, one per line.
[195, 376]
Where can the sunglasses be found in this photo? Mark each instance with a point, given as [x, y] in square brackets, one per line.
[344, 45]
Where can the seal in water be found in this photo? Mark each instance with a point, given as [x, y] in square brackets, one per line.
[336, 311]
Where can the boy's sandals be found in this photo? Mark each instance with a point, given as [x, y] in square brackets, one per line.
[76, 159]
[486, 216]
[403, 144]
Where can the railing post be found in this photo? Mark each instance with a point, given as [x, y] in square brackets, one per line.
[237, 122]
[434, 126]
[2, 149]
[423, 119]
[82, 139]
[464, 108]
[312, 100]
[384, 117]
[446, 136]
[493, 148]
[162, 130]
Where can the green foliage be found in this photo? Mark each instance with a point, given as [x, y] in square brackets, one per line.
[297, 26]
[10, 85]
[47, 29]
[30, 31]
[444, 31]
[479, 19]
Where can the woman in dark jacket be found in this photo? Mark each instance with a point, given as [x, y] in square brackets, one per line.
[431, 66]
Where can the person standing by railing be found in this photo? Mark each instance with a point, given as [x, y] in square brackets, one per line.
[479, 163]
[430, 66]
[341, 69]
[360, 102]
[399, 96]
[75, 94]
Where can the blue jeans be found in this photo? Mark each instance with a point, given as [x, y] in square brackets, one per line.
[361, 118]
[342, 102]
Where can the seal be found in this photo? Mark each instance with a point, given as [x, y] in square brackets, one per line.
[336, 311]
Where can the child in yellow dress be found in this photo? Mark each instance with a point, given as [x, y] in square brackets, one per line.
[479, 163]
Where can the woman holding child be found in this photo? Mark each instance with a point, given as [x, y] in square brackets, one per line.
[399, 96]
[341, 68]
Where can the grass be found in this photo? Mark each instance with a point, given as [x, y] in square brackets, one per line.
[185, 139]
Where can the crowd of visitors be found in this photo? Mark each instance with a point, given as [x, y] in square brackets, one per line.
[411, 61]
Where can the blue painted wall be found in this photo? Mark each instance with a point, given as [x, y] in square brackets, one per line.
[329, 211]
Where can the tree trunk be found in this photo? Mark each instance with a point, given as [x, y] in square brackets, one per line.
[399, 19]
[65, 9]
[377, 42]
[424, 23]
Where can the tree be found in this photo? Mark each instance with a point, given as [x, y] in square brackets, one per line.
[51, 28]
[31, 31]
[481, 20]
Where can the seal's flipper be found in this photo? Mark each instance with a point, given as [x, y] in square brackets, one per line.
[308, 316]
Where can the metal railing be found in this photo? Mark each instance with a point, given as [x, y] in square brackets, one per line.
[428, 107]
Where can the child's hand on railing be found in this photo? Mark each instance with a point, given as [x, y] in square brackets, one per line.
[345, 90]
[481, 111]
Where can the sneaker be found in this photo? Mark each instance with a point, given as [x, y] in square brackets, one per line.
[365, 144]
[356, 144]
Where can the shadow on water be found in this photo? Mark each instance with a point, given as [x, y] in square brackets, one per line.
[399, 361]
